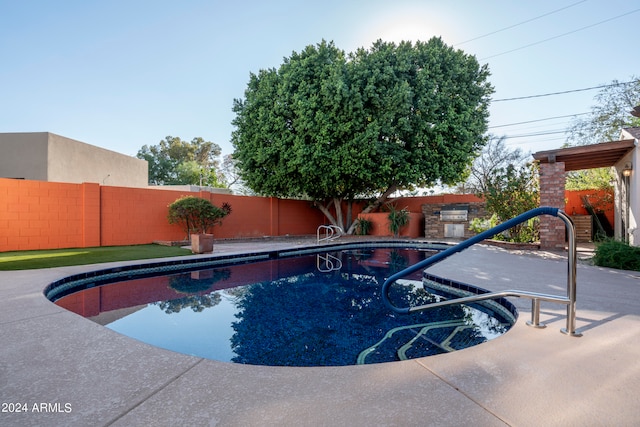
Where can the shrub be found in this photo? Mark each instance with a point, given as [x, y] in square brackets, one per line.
[196, 215]
[617, 254]
[398, 218]
[480, 225]
[364, 226]
[511, 191]
[526, 232]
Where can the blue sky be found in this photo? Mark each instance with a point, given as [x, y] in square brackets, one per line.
[122, 74]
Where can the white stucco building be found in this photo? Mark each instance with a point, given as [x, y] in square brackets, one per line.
[628, 191]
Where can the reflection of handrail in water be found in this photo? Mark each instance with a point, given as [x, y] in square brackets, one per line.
[331, 263]
[331, 232]
[569, 299]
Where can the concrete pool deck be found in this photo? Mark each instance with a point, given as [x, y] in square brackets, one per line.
[69, 371]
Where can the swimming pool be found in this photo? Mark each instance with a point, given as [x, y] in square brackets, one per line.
[313, 307]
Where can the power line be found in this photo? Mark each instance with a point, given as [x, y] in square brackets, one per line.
[533, 134]
[537, 120]
[560, 35]
[533, 142]
[563, 92]
[518, 24]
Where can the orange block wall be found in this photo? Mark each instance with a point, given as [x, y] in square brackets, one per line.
[134, 216]
[49, 215]
[45, 215]
[139, 216]
[601, 200]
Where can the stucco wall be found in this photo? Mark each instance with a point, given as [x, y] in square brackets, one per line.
[627, 193]
[24, 155]
[44, 156]
[74, 161]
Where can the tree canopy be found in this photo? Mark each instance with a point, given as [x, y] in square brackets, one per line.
[174, 161]
[196, 215]
[609, 115]
[334, 127]
[508, 183]
[495, 157]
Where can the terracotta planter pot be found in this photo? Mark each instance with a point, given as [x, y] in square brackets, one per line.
[201, 243]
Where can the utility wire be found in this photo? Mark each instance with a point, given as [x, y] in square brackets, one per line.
[563, 92]
[537, 120]
[532, 134]
[519, 23]
[532, 142]
[560, 35]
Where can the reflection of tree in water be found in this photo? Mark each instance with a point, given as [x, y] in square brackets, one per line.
[312, 320]
[397, 262]
[185, 284]
[328, 319]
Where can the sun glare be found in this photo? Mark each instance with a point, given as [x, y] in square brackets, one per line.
[407, 30]
[402, 24]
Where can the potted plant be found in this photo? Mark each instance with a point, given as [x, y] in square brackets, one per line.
[197, 216]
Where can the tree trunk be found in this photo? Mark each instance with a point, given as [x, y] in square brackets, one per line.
[325, 210]
[349, 218]
[346, 223]
[373, 206]
[337, 204]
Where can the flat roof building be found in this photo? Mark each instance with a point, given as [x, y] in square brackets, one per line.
[44, 156]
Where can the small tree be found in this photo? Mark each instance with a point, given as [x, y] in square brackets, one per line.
[494, 156]
[510, 192]
[590, 179]
[196, 215]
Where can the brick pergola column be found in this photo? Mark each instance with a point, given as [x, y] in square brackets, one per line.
[552, 184]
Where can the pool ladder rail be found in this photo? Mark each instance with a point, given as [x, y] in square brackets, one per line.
[569, 300]
[329, 233]
[326, 263]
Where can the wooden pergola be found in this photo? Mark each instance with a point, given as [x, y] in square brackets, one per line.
[553, 166]
[587, 156]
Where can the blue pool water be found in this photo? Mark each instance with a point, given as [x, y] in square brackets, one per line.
[318, 309]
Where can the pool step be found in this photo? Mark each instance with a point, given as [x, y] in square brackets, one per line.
[422, 328]
[420, 332]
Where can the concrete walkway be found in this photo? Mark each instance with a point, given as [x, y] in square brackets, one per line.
[65, 370]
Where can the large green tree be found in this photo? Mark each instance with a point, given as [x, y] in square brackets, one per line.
[174, 161]
[333, 127]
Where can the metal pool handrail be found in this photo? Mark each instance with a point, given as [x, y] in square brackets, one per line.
[569, 299]
[331, 232]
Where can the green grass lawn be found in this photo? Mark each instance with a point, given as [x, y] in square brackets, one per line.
[28, 260]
